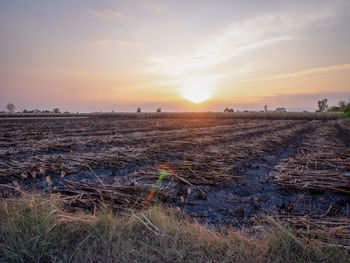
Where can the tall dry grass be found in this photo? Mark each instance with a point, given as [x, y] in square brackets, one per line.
[39, 230]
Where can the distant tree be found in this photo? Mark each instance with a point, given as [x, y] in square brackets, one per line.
[56, 110]
[322, 105]
[334, 108]
[138, 110]
[25, 111]
[347, 109]
[280, 110]
[228, 110]
[341, 104]
[10, 108]
[159, 110]
[265, 108]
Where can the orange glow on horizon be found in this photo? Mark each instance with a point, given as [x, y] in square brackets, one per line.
[197, 89]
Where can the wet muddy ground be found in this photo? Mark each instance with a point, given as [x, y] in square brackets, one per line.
[222, 172]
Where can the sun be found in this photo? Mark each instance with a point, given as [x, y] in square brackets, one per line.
[197, 90]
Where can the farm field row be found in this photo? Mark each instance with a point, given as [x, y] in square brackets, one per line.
[224, 172]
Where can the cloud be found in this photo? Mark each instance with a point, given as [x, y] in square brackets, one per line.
[154, 5]
[157, 7]
[100, 43]
[121, 43]
[305, 101]
[308, 72]
[237, 39]
[106, 14]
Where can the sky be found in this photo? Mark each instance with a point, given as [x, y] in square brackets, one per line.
[180, 55]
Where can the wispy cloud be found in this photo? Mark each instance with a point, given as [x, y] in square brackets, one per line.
[100, 43]
[308, 72]
[106, 14]
[297, 102]
[236, 39]
[155, 5]
[129, 44]
[121, 43]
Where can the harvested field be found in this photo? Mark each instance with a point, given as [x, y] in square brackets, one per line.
[222, 171]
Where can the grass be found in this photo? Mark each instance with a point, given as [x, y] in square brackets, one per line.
[345, 116]
[39, 230]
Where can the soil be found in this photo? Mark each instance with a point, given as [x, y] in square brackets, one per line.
[222, 172]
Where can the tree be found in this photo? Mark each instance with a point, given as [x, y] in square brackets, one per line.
[334, 109]
[228, 110]
[10, 108]
[56, 110]
[322, 105]
[138, 110]
[265, 108]
[346, 108]
[342, 104]
[159, 110]
[281, 109]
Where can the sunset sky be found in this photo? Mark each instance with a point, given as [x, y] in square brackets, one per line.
[104, 55]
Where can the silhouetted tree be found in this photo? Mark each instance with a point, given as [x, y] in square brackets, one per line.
[228, 110]
[159, 110]
[280, 110]
[138, 110]
[322, 105]
[10, 108]
[334, 108]
[56, 110]
[342, 104]
[346, 108]
[265, 108]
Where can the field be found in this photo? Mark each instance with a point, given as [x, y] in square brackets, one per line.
[224, 172]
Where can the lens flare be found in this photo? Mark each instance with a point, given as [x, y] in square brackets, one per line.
[163, 172]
